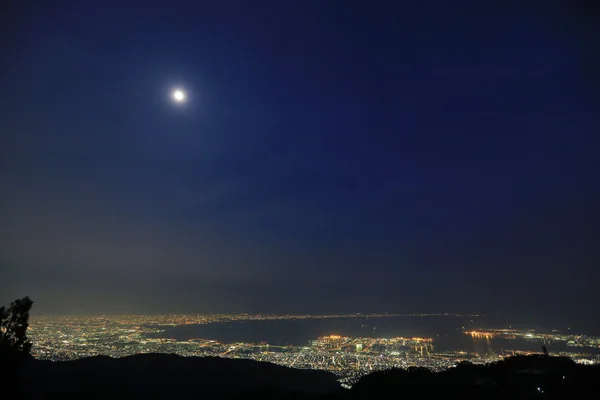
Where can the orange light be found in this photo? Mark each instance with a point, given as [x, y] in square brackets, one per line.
[481, 335]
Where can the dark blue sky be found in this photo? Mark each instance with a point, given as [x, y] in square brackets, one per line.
[333, 156]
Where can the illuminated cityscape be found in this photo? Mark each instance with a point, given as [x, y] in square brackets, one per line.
[556, 336]
[221, 200]
[66, 338]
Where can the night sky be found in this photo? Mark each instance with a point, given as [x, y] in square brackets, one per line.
[332, 156]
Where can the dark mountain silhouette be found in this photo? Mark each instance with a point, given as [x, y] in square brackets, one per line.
[165, 376]
[520, 377]
[150, 376]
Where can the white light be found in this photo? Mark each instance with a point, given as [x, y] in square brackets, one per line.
[178, 95]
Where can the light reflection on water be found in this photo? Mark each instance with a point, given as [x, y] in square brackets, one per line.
[447, 332]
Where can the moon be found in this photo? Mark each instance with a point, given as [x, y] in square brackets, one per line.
[178, 96]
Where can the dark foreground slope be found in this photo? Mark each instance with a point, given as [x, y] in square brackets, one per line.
[521, 377]
[167, 376]
[163, 376]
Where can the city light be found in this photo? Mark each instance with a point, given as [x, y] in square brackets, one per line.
[67, 338]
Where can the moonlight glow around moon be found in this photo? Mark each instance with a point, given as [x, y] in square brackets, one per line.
[178, 96]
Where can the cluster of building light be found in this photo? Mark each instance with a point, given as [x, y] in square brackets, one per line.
[555, 336]
[350, 358]
[480, 335]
